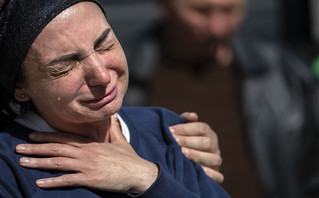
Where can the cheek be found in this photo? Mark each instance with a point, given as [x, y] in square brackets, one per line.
[123, 77]
[60, 91]
[118, 64]
[194, 24]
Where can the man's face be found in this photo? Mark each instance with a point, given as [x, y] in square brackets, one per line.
[204, 24]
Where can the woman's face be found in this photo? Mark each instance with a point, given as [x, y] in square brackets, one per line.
[76, 70]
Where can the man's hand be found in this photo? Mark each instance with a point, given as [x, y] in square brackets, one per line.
[200, 144]
[110, 166]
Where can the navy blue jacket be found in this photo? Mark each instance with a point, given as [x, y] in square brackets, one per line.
[150, 138]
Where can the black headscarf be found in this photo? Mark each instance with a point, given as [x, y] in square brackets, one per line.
[21, 21]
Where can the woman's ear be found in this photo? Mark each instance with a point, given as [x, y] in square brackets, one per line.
[20, 94]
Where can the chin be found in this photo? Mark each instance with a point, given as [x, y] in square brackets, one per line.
[113, 107]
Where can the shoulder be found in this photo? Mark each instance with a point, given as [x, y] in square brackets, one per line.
[12, 174]
[13, 134]
[155, 143]
[10, 136]
[149, 127]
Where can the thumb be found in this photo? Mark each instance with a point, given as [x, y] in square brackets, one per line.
[116, 135]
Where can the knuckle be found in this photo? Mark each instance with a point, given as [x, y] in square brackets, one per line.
[204, 128]
[67, 180]
[55, 148]
[35, 162]
[192, 155]
[217, 161]
[32, 148]
[207, 143]
[182, 141]
[58, 161]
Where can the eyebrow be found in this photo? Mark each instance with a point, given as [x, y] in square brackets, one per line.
[65, 58]
[102, 37]
[73, 56]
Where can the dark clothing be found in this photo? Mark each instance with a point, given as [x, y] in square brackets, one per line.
[280, 104]
[150, 138]
[270, 98]
[215, 96]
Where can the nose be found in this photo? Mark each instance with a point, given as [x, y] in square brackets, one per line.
[96, 71]
[218, 25]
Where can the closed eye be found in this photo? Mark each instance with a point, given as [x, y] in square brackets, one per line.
[106, 48]
[63, 68]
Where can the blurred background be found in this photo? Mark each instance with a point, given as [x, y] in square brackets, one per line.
[292, 23]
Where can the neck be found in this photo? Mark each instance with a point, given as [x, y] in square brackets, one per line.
[97, 131]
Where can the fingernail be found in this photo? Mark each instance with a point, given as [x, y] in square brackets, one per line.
[40, 182]
[20, 148]
[24, 160]
[185, 151]
[177, 139]
[172, 130]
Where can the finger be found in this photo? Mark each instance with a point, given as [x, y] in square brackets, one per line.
[192, 129]
[210, 160]
[62, 181]
[54, 163]
[190, 116]
[48, 149]
[59, 137]
[116, 135]
[213, 174]
[198, 143]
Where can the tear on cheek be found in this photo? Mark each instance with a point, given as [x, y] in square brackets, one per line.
[59, 98]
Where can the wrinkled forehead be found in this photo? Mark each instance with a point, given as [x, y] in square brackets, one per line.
[21, 21]
[75, 30]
